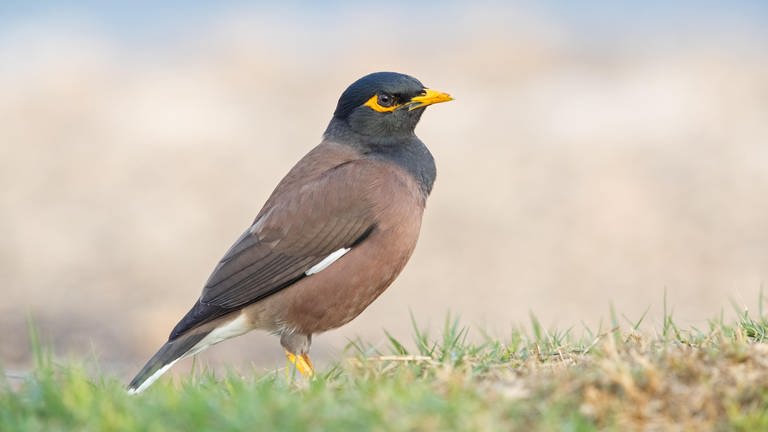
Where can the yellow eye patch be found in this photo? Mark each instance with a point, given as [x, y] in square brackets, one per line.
[426, 98]
[373, 103]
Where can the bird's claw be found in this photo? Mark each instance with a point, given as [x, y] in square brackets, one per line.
[302, 363]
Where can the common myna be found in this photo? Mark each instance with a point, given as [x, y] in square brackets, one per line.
[334, 234]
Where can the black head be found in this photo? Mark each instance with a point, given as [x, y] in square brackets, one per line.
[385, 104]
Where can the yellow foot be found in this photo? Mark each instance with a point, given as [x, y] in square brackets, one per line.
[302, 362]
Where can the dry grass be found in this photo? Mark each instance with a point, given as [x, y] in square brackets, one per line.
[647, 384]
[715, 379]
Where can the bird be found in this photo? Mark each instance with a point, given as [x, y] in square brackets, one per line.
[333, 235]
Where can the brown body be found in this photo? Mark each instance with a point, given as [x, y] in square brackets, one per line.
[391, 200]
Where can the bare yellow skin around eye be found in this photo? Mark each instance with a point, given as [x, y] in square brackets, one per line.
[428, 97]
[373, 103]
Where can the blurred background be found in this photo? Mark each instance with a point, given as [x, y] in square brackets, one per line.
[597, 154]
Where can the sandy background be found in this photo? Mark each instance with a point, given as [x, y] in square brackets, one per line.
[592, 157]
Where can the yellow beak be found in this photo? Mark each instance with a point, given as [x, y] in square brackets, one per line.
[428, 98]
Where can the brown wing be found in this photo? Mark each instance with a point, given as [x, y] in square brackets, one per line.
[300, 225]
[289, 238]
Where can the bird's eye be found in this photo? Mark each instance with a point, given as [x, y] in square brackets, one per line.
[383, 102]
[386, 100]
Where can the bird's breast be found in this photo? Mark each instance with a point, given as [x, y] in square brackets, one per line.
[339, 292]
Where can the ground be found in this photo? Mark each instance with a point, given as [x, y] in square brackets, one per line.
[617, 378]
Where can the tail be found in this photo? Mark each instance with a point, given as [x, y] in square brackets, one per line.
[173, 351]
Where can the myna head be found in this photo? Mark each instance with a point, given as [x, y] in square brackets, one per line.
[385, 104]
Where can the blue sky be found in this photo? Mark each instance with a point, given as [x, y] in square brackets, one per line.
[137, 20]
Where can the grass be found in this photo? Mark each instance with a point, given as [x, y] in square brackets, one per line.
[620, 379]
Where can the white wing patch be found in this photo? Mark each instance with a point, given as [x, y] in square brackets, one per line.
[330, 259]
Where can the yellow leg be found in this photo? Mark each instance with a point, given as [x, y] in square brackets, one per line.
[302, 362]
